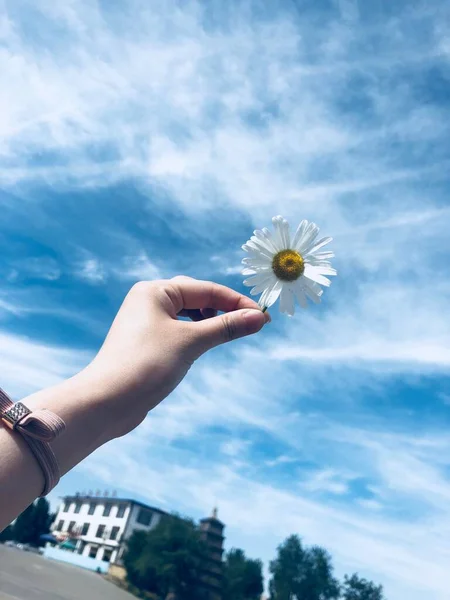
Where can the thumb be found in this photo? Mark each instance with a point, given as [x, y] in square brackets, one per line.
[229, 326]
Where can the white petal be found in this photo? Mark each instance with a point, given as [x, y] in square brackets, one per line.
[322, 267]
[270, 295]
[319, 244]
[310, 235]
[262, 299]
[298, 237]
[279, 235]
[325, 270]
[287, 301]
[311, 289]
[311, 273]
[317, 263]
[324, 255]
[256, 249]
[265, 239]
[258, 278]
[259, 269]
[269, 237]
[285, 233]
[260, 288]
[253, 270]
[312, 286]
[257, 261]
[261, 244]
[301, 297]
[274, 294]
[254, 255]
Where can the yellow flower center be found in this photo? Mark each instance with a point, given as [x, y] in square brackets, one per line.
[288, 265]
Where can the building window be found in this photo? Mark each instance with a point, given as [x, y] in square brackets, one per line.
[85, 529]
[66, 506]
[71, 526]
[60, 526]
[77, 507]
[100, 531]
[91, 510]
[144, 517]
[114, 533]
[107, 510]
[121, 511]
[107, 554]
[93, 551]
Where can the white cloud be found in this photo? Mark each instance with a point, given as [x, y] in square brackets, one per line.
[33, 267]
[444, 397]
[92, 270]
[233, 270]
[280, 460]
[328, 480]
[245, 118]
[235, 447]
[137, 268]
[28, 365]
[379, 351]
[9, 308]
[226, 265]
[377, 327]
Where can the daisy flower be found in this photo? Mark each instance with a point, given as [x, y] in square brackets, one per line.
[287, 267]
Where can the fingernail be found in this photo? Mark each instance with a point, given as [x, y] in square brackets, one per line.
[267, 317]
[253, 320]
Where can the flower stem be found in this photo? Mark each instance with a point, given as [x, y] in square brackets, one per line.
[264, 309]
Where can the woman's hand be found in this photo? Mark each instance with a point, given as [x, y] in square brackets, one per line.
[149, 349]
[146, 354]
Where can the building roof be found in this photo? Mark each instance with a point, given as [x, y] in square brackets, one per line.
[213, 521]
[87, 498]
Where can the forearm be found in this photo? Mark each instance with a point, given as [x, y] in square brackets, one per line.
[87, 413]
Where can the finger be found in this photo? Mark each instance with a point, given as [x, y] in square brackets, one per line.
[194, 293]
[227, 327]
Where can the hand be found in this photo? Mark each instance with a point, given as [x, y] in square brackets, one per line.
[149, 349]
[146, 354]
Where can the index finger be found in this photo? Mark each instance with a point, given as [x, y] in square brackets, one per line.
[195, 293]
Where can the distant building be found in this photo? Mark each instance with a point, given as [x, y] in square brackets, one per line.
[212, 533]
[98, 527]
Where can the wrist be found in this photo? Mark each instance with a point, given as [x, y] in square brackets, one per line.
[84, 410]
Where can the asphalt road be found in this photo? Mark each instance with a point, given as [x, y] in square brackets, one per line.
[28, 576]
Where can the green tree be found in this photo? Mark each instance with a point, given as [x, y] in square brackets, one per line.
[6, 534]
[242, 577]
[302, 573]
[32, 523]
[357, 588]
[167, 559]
[42, 521]
[23, 528]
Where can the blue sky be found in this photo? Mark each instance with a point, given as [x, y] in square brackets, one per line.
[145, 139]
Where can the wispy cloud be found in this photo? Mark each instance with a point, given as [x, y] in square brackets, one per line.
[92, 270]
[138, 268]
[135, 148]
[28, 365]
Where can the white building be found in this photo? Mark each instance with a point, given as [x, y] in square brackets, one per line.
[99, 526]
